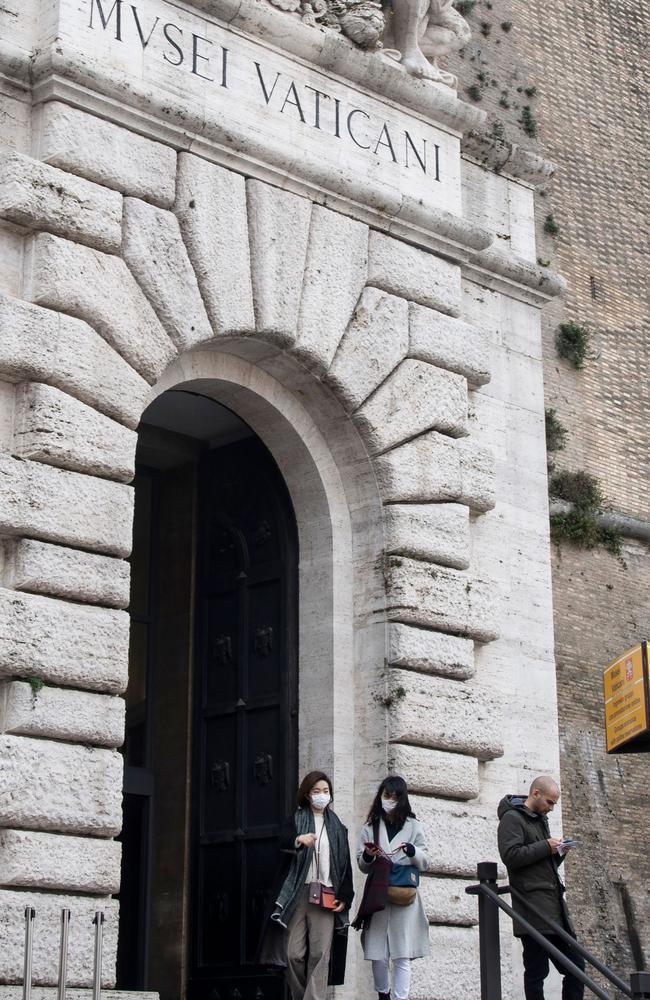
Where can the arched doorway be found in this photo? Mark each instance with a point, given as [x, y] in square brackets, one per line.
[212, 704]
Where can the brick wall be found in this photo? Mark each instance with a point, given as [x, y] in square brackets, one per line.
[589, 68]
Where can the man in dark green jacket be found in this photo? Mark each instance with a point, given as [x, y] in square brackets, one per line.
[533, 858]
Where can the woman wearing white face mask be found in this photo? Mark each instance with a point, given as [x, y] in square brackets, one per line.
[307, 931]
[392, 852]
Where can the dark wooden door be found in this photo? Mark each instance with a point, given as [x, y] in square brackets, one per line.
[246, 715]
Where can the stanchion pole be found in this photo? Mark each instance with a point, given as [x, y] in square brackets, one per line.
[98, 921]
[63, 953]
[30, 913]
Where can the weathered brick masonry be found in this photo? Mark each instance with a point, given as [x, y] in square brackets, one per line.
[588, 64]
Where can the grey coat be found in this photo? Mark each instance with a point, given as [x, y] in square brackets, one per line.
[397, 931]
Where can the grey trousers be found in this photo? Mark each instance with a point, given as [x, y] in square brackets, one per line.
[309, 943]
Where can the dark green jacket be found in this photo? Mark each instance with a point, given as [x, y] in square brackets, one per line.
[532, 867]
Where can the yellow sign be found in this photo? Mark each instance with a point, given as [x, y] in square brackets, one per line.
[625, 684]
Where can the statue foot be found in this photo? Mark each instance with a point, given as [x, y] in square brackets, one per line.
[416, 65]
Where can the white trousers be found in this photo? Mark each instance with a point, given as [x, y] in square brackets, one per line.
[401, 977]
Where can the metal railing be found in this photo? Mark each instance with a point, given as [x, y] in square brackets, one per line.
[489, 894]
[62, 979]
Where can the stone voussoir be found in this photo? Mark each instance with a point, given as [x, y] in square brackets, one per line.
[438, 532]
[56, 571]
[40, 345]
[52, 861]
[52, 427]
[61, 714]
[156, 255]
[446, 902]
[63, 643]
[430, 652]
[444, 714]
[414, 274]
[440, 598]
[334, 277]
[434, 772]
[99, 288]
[211, 209]
[449, 343]
[56, 505]
[60, 787]
[106, 153]
[47, 925]
[459, 834]
[278, 225]
[416, 398]
[38, 196]
[375, 342]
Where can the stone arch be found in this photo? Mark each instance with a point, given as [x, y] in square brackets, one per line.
[354, 331]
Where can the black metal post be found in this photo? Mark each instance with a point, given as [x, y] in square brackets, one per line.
[63, 954]
[30, 914]
[98, 921]
[488, 927]
[640, 983]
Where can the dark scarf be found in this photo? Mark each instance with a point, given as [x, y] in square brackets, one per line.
[375, 890]
[297, 875]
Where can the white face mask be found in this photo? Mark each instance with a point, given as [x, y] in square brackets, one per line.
[388, 804]
[320, 800]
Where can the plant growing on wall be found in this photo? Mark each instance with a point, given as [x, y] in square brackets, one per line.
[572, 342]
[556, 432]
[580, 526]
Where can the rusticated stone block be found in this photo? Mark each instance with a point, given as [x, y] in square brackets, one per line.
[446, 902]
[42, 568]
[444, 714]
[99, 289]
[430, 652]
[278, 224]
[374, 344]
[156, 255]
[439, 598]
[47, 930]
[43, 346]
[459, 835]
[60, 787]
[438, 533]
[452, 971]
[211, 208]
[51, 861]
[417, 397]
[420, 471]
[38, 196]
[335, 273]
[106, 153]
[414, 274]
[63, 643]
[433, 772]
[58, 429]
[60, 506]
[477, 475]
[449, 343]
[60, 714]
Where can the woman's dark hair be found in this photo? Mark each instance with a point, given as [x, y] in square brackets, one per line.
[308, 783]
[394, 785]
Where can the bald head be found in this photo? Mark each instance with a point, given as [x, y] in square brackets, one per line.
[543, 795]
[544, 784]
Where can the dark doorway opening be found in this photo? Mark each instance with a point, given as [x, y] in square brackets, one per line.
[212, 704]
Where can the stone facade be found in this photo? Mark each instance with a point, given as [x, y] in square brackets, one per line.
[385, 344]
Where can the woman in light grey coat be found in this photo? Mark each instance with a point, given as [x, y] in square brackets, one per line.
[394, 934]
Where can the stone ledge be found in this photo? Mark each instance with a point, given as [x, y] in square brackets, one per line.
[56, 505]
[37, 196]
[53, 861]
[430, 652]
[443, 714]
[63, 643]
[436, 532]
[434, 772]
[60, 787]
[60, 714]
[55, 571]
[439, 598]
